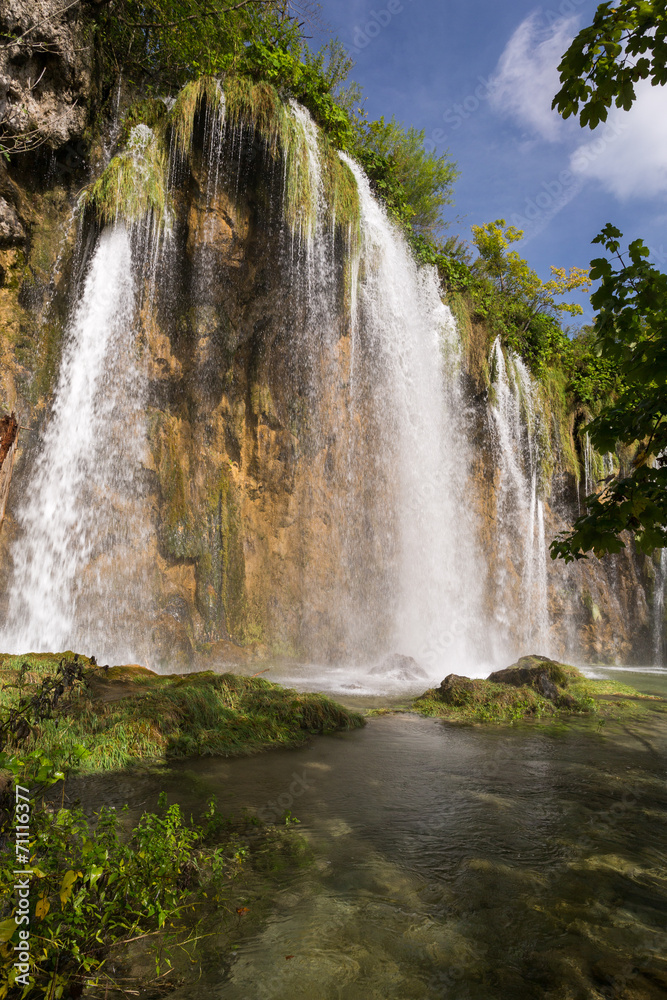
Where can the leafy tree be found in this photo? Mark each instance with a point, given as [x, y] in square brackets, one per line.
[416, 182]
[161, 44]
[515, 279]
[630, 330]
[626, 42]
[593, 377]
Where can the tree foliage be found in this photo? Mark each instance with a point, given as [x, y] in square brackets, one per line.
[416, 182]
[626, 43]
[520, 306]
[630, 330]
[514, 277]
[161, 44]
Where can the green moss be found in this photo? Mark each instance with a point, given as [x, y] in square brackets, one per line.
[590, 605]
[486, 702]
[203, 524]
[134, 185]
[149, 112]
[560, 422]
[128, 714]
[258, 106]
[341, 190]
[32, 317]
[183, 114]
[483, 701]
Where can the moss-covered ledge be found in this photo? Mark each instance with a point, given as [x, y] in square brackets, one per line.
[126, 715]
[535, 687]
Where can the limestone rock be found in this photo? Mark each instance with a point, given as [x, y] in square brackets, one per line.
[11, 229]
[44, 99]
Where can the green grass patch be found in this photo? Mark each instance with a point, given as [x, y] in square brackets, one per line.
[126, 715]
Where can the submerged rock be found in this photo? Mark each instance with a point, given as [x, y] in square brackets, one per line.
[400, 668]
[541, 674]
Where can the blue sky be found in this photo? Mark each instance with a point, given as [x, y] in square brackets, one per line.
[479, 76]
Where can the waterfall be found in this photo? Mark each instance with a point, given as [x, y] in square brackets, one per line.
[406, 361]
[521, 606]
[381, 525]
[659, 625]
[588, 466]
[78, 568]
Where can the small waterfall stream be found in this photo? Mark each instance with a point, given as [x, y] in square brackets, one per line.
[521, 605]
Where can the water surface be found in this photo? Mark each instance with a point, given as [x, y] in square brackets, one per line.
[449, 861]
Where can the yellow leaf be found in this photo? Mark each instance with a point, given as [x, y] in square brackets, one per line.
[68, 885]
[42, 908]
[7, 928]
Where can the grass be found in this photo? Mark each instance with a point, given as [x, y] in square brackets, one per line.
[126, 715]
[134, 185]
[483, 701]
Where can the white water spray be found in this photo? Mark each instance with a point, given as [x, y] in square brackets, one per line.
[407, 346]
[78, 566]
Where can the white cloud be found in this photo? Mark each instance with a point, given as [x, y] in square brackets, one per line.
[628, 156]
[526, 78]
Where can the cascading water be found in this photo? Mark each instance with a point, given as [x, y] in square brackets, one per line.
[588, 456]
[659, 623]
[521, 607]
[78, 567]
[406, 356]
[382, 436]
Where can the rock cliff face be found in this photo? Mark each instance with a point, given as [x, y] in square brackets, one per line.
[258, 445]
[46, 72]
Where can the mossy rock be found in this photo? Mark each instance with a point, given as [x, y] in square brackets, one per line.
[482, 701]
[548, 677]
[534, 687]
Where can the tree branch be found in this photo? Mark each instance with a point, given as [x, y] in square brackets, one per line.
[193, 17]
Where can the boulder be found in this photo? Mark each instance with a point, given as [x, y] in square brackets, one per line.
[400, 668]
[540, 673]
[457, 690]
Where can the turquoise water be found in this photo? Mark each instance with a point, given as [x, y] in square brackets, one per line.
[449, 862]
